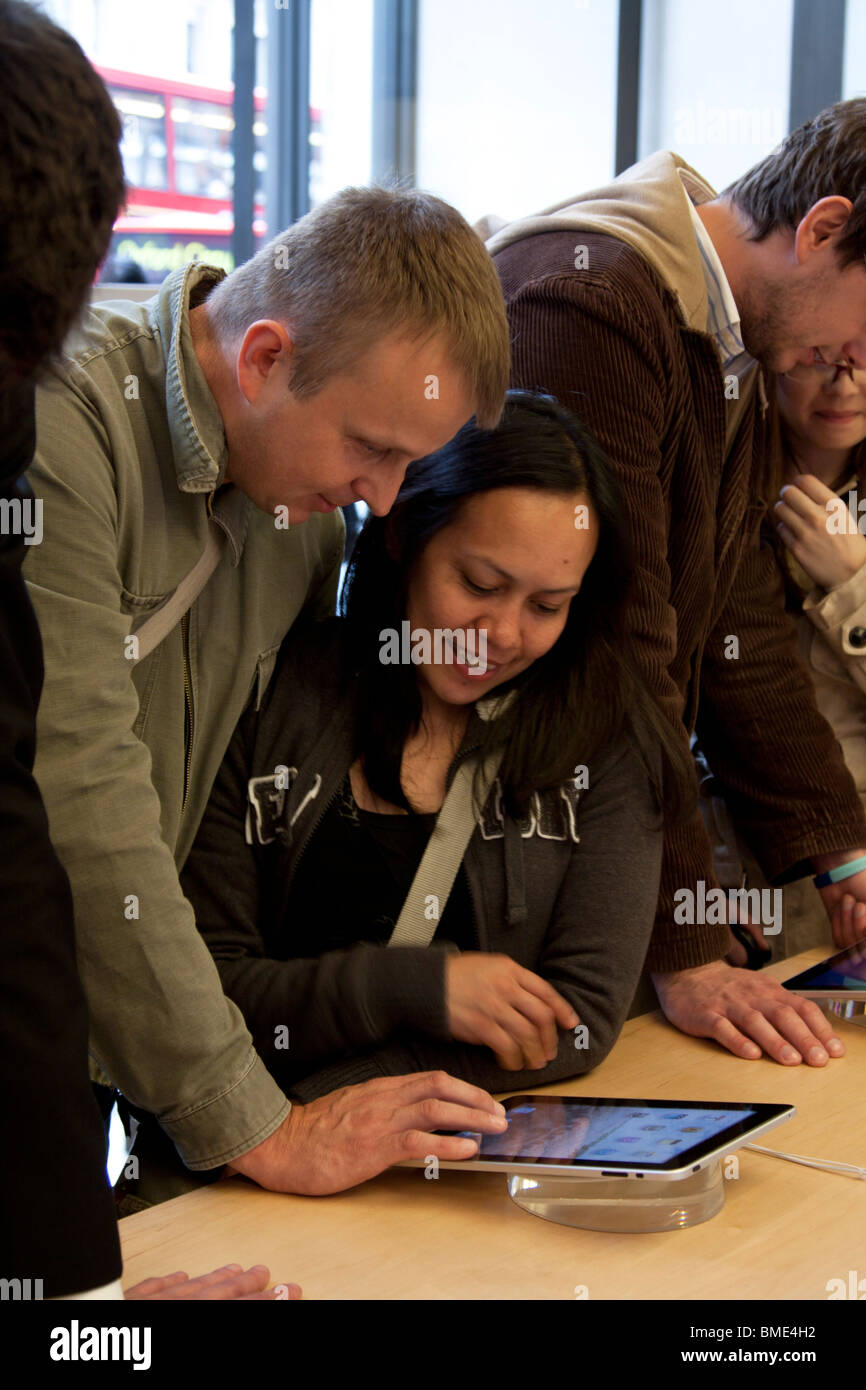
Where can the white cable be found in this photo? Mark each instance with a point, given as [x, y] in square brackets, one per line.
[829, 1164]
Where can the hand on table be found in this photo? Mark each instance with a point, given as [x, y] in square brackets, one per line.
[801, 520]
[748, 1013]
[352, 1134]
[230, 1282]
[496, 1003]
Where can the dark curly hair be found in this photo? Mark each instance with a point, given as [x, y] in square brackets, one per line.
[61, 183]
[822, 158]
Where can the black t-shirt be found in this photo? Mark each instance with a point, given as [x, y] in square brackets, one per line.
[353, 880]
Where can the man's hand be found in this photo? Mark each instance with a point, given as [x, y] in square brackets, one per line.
[496, 1003]
[230, 1282]
[801, 520]
[845, 901]
[747, 1013]
[847, 919]
[352, 1134]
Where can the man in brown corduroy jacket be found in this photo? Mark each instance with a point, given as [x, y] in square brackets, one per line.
[649, 308]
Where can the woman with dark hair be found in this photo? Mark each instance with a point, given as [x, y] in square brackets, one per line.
[816, 528]
[481, 640]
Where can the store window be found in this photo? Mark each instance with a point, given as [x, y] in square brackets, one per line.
[516, 102]
[715, 82]
[341, 95]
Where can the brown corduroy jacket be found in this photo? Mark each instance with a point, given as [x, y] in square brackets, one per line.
[604, 332]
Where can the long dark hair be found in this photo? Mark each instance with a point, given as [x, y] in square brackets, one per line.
[579, 697]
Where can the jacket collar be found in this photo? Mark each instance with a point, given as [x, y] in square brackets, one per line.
[723, 316]
[648, 208]
[196, 427]
[494, 705]
[197, 433]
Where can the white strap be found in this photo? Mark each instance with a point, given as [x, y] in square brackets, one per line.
[160, 623]
[434, 879]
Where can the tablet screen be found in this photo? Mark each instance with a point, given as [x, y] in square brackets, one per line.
[619, 1133]
[844, 971]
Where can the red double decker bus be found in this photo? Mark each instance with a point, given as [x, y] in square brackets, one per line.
[177, 156]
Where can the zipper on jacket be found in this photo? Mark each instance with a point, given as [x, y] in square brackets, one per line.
[314, 827]
[289, 880]
[188, 714]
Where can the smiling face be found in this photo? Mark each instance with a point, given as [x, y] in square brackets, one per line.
[507, 566]
[352, 440]
[795, 295]
[825, 416]
[784, 319]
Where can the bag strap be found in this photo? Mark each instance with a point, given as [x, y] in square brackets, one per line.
[416, 925]
[159, 624]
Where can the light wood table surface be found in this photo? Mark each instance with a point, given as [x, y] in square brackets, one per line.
[783, 1232]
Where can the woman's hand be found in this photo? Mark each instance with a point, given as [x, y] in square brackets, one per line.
[802, 522]
[495, 1002]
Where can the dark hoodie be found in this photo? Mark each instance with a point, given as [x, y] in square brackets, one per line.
[57, 1220]
[569, 892]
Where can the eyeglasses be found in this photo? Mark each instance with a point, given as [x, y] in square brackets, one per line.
[827, 373]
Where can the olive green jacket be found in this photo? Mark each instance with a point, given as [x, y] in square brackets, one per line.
[131, 455]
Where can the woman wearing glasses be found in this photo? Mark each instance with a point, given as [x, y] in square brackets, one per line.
[821, 552]
[329, 793]
[820, 520]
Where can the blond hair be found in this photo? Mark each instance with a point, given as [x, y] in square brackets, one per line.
[366, 263]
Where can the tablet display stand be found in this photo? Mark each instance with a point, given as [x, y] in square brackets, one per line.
[621, 1204]
[851, 1010]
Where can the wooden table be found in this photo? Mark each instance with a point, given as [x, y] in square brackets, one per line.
[784, 1231]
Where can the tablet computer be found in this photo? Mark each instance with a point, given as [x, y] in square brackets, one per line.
[842, 976]
[575, 1135]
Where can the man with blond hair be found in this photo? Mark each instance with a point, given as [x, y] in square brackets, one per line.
[216, 430]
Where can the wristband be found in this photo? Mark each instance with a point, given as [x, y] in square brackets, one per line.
[841, 871]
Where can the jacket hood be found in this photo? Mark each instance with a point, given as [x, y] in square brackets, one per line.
[196, 426]
[647, 207]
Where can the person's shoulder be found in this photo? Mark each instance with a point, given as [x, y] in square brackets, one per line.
[571, 253]
[105, 328]
[622, 762]
[311, 656]
[581, 268]
[307, 689]
[90, 376]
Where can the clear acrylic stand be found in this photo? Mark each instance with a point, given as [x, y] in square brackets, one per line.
[851, 1010]
[621, 1204]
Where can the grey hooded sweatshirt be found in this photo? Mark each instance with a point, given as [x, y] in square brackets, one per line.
[569, 892]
